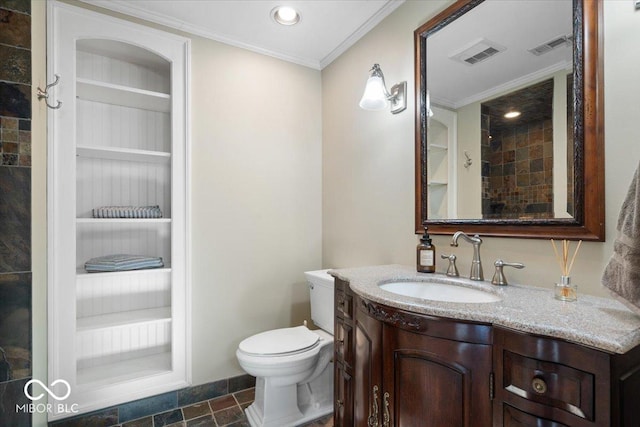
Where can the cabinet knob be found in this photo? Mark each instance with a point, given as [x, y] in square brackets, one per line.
[539, 385]
[339, 403]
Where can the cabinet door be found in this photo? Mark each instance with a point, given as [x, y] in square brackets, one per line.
[435, 382]
[368, 367]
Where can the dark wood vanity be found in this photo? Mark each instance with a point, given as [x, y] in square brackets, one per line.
[398, 368]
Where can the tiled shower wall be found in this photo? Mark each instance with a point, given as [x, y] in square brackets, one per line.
[517, 171]
[15, 210]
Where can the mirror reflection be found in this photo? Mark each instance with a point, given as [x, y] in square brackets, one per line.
[499, 129]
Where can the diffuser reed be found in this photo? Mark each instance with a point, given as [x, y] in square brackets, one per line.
[565, 291]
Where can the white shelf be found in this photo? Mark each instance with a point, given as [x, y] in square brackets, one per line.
[108, 93]
[437, 147]
[124, 318]
[82, 274]
[123, 220]
[127, 370]
[437, 183]
[126, 154]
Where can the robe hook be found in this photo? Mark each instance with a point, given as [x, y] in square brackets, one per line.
[467, 162]
[44, 94]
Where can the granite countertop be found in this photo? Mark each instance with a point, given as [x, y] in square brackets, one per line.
[601, 323]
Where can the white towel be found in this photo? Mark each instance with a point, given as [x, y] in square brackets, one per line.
[622, 275]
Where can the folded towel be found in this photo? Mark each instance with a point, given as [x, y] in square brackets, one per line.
[127, 212]
[122, 262]
[621, 276]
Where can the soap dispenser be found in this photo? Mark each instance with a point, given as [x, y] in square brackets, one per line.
[426, 254]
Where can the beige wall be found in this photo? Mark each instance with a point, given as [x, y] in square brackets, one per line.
[469, 179]
[255, 198]
[368, 156]
[367, 205]
[256, 205]
[38, 201]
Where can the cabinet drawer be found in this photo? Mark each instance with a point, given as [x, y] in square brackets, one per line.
[343, 392]
[344, 304]
[549, 383]
[512, 417]
[344, 342]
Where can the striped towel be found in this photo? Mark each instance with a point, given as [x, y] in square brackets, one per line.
[122, 262]
[127, 212]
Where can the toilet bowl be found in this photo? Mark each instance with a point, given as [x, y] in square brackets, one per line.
[293, 366]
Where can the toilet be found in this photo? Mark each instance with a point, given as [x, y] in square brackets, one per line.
[293, 366]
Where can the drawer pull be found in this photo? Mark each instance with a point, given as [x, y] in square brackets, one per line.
[373, 414]
[538, 385]
[339, 403]
[387, 418]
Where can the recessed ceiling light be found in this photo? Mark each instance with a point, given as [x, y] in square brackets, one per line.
[512, 114]
[285, 15]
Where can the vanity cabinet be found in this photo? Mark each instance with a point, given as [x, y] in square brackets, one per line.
[398, 368]
[343, 354]
[118, 139]
[541, 381]
[414, 370]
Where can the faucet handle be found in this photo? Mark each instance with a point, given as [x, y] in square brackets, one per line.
[452, 270]
[499, 277]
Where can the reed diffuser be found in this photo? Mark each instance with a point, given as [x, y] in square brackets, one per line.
[565, 290]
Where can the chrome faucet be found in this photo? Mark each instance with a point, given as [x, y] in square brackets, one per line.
[476, 263]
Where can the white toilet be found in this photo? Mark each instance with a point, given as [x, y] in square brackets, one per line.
[293, 366]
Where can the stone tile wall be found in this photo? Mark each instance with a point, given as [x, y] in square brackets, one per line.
[517, 172]
[15, 210]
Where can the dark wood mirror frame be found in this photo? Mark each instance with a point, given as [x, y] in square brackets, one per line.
[589, 221]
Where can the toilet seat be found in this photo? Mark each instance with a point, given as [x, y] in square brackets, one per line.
[280, 342]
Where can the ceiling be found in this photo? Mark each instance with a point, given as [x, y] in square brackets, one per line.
[516, 27]
[327, 28]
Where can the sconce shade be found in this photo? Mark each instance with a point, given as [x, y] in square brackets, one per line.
[375, 95]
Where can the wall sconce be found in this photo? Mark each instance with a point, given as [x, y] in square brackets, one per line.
[376, 96]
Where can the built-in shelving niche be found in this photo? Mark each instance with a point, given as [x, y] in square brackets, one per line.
[118, 336]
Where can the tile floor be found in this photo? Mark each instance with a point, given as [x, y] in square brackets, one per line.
[223, 411]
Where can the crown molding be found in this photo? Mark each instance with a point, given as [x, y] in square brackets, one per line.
[129, 8]
[384, 11]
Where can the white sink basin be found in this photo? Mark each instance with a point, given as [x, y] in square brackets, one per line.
[440, 292]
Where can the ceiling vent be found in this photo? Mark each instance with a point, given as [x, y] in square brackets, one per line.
[478, 52]
[552, 44]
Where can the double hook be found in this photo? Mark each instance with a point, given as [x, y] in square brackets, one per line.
[44, 94]
[467, 162]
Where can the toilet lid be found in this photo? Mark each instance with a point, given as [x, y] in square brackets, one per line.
[279, 341]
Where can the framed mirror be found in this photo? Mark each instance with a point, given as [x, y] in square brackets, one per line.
[509, 119]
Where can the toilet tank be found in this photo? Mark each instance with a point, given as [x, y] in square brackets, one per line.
[321, 295]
